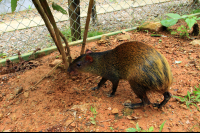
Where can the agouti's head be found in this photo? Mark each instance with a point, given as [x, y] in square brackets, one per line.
[81, 64]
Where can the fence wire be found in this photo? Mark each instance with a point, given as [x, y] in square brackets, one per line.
[24, 29]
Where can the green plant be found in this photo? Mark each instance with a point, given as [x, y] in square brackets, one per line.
[111, 128]
[191, 99]
[160, 40]
[189, 19]
[29, 7]
[67, 34]
[196, 11]
[94, 33]
[138, 129]
[183, 31]
[94, 112]
[161, 126]
[2, 55]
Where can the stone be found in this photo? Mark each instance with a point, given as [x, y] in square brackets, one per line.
[55, 62]
[18, 90]
[195, 43]
[123, 37]
[115, 111]
[11, 97]
[26, 94]
[68, 122]
[151, 26]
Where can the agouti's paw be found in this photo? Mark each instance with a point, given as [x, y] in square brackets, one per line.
[128, 105]
[95, 88]
[110, 95]
[156, 105]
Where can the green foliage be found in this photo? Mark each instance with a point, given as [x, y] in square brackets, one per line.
[94, 112]
[196, 11]
[189, 19]
[161, 126]
[94, 33]
[138, 129]
[183, 31]
[58, 8]
[111, 128]
[2, 55]
[67, 34]
[191, 99]
[13, 5]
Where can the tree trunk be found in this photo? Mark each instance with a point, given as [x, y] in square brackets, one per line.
[74, 15]
[94, 12]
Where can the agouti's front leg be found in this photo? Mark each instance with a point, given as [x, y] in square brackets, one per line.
[103, 80]
[114, 88]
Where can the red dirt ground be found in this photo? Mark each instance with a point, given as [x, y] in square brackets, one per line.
[62, 103]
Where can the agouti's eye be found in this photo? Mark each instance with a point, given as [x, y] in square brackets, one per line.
[78, 65]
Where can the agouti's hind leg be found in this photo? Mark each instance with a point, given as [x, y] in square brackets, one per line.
[145, 101]
[167, 96]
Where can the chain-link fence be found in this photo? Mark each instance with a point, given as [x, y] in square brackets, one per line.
[24, 29]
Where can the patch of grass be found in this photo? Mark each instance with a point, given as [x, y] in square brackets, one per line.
[94, 33]
[67, 34]
[2, 55]
[183, 31]
[191, 98]
[195, 11]
[138, 129]
[94, 112]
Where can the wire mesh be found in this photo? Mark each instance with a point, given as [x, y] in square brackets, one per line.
[24, 30]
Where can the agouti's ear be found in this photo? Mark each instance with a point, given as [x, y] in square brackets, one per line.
[88, 51]
[88, 58]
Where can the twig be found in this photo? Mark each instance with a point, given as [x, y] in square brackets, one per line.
[106, 120]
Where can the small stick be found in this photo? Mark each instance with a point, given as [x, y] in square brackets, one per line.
[106, 120]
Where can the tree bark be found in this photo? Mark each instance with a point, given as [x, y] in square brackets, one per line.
[94, 13]
[74, 16]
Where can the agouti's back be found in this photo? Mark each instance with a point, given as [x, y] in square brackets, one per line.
[143, 66]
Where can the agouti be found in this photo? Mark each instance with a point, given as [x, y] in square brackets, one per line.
[143, 66]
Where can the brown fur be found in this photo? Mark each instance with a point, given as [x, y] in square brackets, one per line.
[143, 66]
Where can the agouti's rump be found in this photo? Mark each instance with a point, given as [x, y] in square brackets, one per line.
[143, 66]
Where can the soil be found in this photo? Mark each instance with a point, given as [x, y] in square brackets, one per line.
[62, 102]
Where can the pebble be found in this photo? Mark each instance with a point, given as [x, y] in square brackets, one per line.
[11, 97]
[55, 62]
[18, 90]
[26, 94]
[68, 122]
[73, 124]
[115, 111]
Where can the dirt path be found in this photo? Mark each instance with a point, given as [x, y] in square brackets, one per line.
[62, 103]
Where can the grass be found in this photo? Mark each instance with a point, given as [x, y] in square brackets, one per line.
[67, 34]
[138, 129]
[94, 112]
[192, 98]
